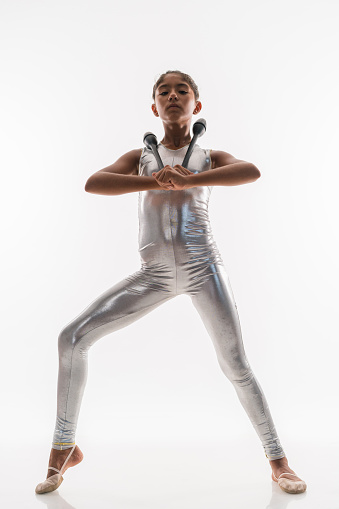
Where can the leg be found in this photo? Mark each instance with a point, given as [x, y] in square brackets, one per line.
[125, 302]
[121, 305]
[216, 306]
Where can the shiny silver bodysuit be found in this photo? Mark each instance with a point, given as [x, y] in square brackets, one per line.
[178, 256]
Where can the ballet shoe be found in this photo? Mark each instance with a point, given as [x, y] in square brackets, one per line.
[288, 485]
[52, 483]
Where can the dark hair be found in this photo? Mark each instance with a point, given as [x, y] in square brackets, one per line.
[185, 77]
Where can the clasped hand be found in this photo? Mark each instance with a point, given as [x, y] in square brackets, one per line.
[172, 178]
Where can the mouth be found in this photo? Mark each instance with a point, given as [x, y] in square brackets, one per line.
[173, 106]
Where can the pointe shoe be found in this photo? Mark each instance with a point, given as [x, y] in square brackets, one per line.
[53, 482]
[290, 486]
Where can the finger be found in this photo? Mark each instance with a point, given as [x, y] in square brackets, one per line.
[162, 178]
[160, 172]
[182, 170]
[164, 182]
[178, 169]
[157, 175]
[165, 168]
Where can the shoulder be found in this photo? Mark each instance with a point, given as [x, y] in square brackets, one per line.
[127, 164]
[132, 159]
[135, 156]
[221, 158]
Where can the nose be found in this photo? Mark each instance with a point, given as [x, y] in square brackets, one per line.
[173, 95]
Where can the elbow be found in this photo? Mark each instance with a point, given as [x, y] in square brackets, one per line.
[89, 186]
[256, 173]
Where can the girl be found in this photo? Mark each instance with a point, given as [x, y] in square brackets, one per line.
[178, 256]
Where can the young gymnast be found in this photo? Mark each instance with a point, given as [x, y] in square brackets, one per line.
[178, 256]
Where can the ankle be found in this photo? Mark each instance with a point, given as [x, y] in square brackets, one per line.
[57, 459]
[279, 462]
[62, 446]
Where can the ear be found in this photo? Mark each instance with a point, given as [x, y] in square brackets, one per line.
[155, 111]
[197, 108]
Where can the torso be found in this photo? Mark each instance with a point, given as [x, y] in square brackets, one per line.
[174, 228]
[140, 151]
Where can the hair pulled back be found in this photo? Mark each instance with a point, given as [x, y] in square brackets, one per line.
[185, 77]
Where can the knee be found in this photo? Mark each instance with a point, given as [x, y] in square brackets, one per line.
[237, 370]
[66, 339]
[75, 338]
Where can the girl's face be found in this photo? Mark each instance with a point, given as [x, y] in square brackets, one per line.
[173, 90]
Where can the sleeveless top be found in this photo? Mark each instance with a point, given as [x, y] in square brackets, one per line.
[175, 235]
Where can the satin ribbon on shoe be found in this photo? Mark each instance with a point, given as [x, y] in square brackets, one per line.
[53, 482]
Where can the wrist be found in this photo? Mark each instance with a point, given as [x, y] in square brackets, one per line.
[190, 181]
[151, 183]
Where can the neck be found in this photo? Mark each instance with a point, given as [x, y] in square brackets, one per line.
[176, 135]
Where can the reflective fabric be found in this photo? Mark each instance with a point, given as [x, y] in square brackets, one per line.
[178, 256]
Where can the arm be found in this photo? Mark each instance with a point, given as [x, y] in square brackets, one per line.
[121, 177]
[226, 170]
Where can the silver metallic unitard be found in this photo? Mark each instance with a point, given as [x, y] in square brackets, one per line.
[178, 256]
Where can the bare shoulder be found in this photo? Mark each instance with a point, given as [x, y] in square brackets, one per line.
[127, 164]
[221, 158]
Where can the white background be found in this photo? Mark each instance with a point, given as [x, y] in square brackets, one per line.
[76, 87]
